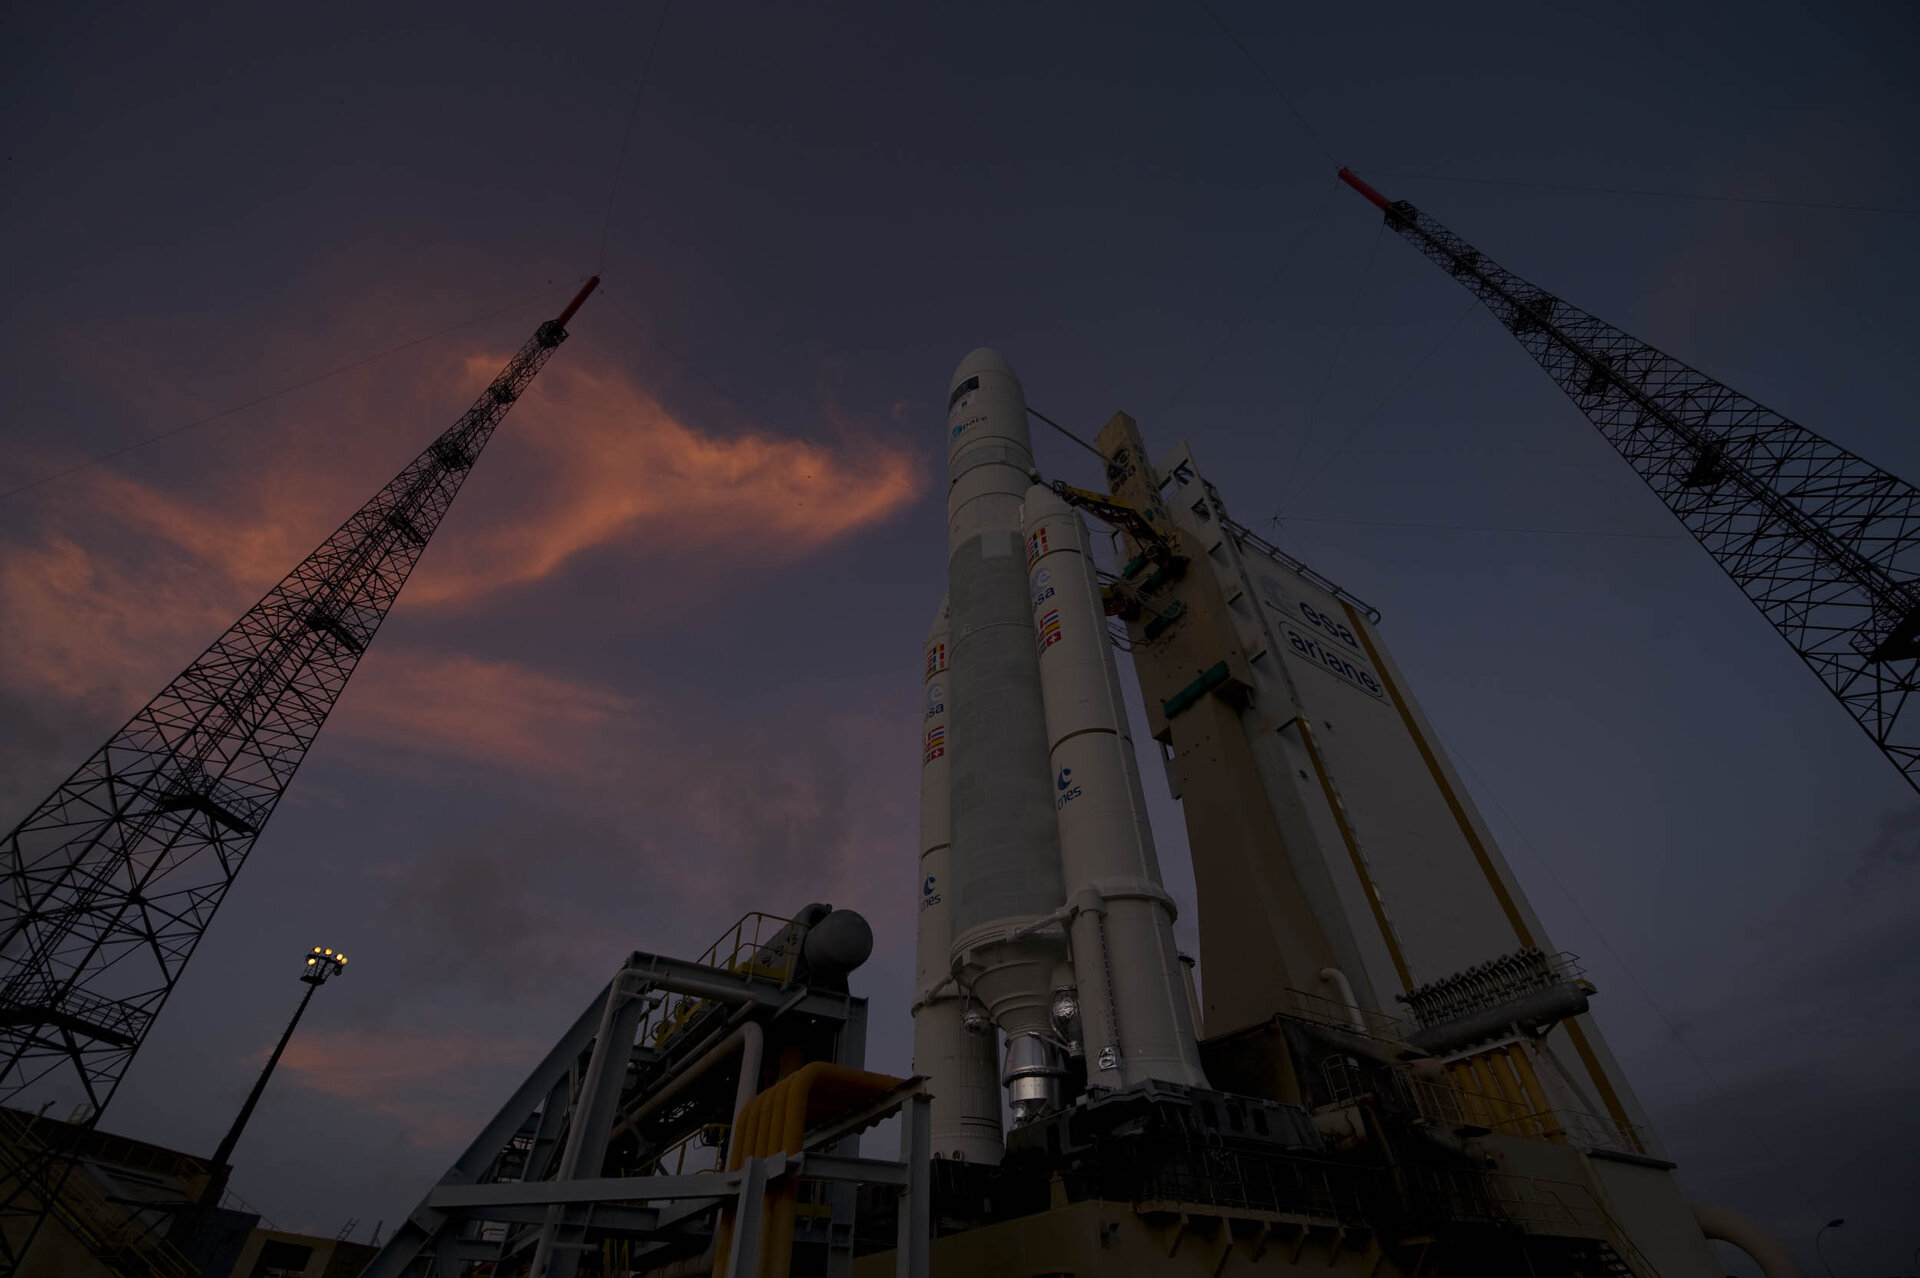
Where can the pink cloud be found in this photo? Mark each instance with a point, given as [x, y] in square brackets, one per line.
[435, 1085]
[597, 461]
[121, 582]
[497, 711]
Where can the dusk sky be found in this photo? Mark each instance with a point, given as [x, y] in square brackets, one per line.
[660, 665]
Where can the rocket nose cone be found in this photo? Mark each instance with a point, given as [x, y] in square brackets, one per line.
[982, 359]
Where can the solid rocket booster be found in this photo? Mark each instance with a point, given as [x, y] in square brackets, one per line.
[1134, 1010]
[1005, 872]
[958, 1064]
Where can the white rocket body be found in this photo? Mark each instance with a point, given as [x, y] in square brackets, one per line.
[958, 1063]
[1136, 1018]
[1008, 949]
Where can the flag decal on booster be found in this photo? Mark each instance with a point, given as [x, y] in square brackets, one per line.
[1049, 629]
[1036, 546]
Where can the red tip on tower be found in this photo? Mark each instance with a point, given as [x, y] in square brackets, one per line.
[591, 284]
[1352, 179]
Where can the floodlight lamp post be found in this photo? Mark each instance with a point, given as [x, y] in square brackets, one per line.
[323, 964]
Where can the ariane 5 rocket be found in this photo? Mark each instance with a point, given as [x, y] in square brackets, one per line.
[1057, 930]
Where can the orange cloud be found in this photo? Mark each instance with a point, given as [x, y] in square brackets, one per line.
[598, 461]
[123, 582]
[89, 627]
[495, 711]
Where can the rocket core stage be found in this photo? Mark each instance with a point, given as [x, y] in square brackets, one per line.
[1070, 957]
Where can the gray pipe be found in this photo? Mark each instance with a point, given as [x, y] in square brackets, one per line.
[1746, 1233]
[750, 1036]
[750, 1040]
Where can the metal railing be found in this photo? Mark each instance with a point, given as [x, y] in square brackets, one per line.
[750, 945]
[1448, 1104]
[1247, 537]
[120, 1238]
[758, 944]
[230, 1201]
[1337, 1015]
[1171, 1170]
[1558, 1206]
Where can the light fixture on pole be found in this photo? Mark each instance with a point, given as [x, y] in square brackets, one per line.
[323, 964]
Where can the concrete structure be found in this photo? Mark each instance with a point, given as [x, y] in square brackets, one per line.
[966, 1110]
[1009, 951]
[129, 1209]
[1132, 998]
[276, 1253]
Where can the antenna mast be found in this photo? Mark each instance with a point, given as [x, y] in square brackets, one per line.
[108, 884]
[1825, 544]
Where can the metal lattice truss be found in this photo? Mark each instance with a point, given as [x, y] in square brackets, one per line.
[110, 882]
[1825, 544]
[532, 1193]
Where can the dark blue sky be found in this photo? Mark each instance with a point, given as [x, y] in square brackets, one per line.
[660, 665]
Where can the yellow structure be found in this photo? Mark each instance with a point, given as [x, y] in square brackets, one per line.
[776, 1121]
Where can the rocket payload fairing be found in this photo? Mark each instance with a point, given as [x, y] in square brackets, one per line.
[966, 1108]
[1058, 931]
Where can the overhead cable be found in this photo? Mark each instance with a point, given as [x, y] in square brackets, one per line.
[1034, 412]
[1660, 195]
[1483, 528]
[620, 163]
[1386, 399]
[1339, 345]
[286, 390]
[1271, 82]
[1291, 256]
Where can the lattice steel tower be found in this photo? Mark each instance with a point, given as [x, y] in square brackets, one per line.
[1825, 544]
[110, 882]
